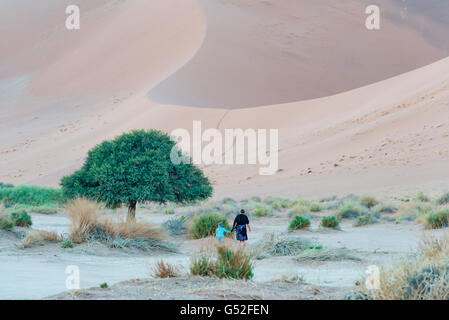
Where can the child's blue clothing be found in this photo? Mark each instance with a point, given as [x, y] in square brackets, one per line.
[219, 234]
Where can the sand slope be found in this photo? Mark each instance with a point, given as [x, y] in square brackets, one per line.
[391, 135]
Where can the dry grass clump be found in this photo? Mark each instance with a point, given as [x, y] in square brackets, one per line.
[274, 245]
[88, 225]
[165, 270]
[38, 237]
[327, 254]
[424, 277]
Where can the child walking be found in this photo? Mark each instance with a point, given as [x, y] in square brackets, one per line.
[219, 234]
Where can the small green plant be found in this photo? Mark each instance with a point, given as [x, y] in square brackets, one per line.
[329, 222]
[368, 202]
[349, 210]
[233, 264]
[438, 220]
[364, 220]
[104, 285]
[421, 197]
[67, 244]
[21, 218]
[206, 224]
[299, 222]
[261, 210]
[315, 207]
[202, 266]
[315, 247]
[444, 199]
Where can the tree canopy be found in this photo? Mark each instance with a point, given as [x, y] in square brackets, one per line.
[136, 167]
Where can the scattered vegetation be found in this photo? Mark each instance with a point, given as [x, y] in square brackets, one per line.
[349, 210]
[444, 199]
[274, 245]
[329, 222]
[299, 222]
[67, 244]
[261, 210]
[364, 220]
[205, 225]
[39, 237]
[165, 270]
[421, 197]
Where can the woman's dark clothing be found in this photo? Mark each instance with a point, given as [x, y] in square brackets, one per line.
[239, 225]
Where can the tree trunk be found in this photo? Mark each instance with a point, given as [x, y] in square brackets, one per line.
[131, 211]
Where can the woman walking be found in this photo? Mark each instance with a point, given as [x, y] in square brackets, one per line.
[241, 223]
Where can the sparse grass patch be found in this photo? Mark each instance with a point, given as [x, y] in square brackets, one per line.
[349, 210]
[165, 270]
[443, 199]
[364, 220]
[327, 254]
[176, 226]
[368, 202]
[385, 208]
[421, 197]
[39, 237]
[330, 222]
[299, 222]
[273, 245]
[412, 211]
[261, 210]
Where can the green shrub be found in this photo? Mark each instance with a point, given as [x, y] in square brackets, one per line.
[368, 202]
[444, 199]
[6, 185]
[6, 222]
[349, 210]
[438, 220]
[329, 222]
[202, 266]
[261, 210]
[104, 285]
[315, 207]
[31, 195]
[206, 224]
[67, 244]
[21, 218]
[421, 197]
[233, 264]
[299, 222]
[364, 220]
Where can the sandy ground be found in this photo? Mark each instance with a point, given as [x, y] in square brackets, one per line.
[39, 272]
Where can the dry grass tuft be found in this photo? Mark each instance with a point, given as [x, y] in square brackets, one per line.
[38, 237]
[165, 270]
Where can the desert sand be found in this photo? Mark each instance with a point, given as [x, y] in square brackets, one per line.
[64, 91]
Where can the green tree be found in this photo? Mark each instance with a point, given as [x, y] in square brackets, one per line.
[136, 167]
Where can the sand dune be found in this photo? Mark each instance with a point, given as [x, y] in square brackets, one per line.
[66, 92]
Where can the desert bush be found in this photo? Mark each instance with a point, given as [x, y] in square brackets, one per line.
[261, 210]
[421, 277]
[202, 265]
[329, 222]
[315, 207]
[385, 208]
[349, 210]
[6, 222]
[104, 285]
[364, 220]
[38, 237]
[280, 203]
[327, 254]
[31, 195]
[205, 225]
[438, 219]
[299, 222]
[421, 197]
[233, 264]
[443, 199]
[368, 202]
[67, 244]
[21, 218]
[411, 211]
[88, 225]
[165, 270]
[176, 226]
[274, 245]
